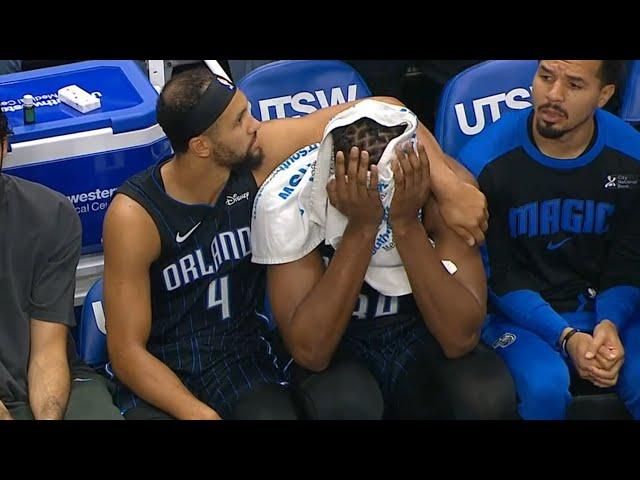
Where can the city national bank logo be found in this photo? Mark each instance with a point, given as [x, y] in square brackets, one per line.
[611, 182]
[622, 182]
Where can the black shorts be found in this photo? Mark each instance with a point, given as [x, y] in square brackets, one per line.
[388, 348]
[416, 379]
[220, 384]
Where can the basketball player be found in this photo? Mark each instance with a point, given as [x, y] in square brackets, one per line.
[185, 334]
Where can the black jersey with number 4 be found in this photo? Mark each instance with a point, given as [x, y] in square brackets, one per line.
[205, 291]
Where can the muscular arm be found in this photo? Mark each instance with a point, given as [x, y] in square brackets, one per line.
[452, 306]
[443, 175]
[128, 311]
[48, 371]
[313, 306]
[282, 137]
[463, 206]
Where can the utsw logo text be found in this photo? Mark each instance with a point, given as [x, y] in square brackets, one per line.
[305, 102]
[513, 99]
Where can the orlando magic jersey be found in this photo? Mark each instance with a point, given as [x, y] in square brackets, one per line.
[205, 292]
[371, 304]
[564, 228]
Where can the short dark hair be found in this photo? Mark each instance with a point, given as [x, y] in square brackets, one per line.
[612, 71]
[366, 134]
[177, 98]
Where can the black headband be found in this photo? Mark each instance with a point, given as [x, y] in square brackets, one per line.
[213, 102]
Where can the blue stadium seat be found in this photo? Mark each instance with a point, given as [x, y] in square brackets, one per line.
[470, 101]
[478, 97]
[291, 88]
[630, 102]
[91, 333]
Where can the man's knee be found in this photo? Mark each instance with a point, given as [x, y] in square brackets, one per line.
[344, 391]
[146, 412]
[90, 399]
[482, 387]
[544, 394]
[628, 387]
[551, 387]
[266, 402]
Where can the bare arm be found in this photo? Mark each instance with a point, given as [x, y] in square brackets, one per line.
[282, 137]
[128, 311]
[452, 306]
[313, 306]
[48, 371]
[4, 413]
[461, 172]
[311, 324]
[463, 206]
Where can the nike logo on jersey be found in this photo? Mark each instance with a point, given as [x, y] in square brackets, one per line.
[226, 246]
[182, 238]
[555, 246]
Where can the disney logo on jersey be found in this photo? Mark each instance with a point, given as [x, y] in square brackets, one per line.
[235, 198]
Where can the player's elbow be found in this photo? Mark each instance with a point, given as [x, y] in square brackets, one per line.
[311, 358]
[466, 336]
[311, 348]
[124, 357]
[461, 345]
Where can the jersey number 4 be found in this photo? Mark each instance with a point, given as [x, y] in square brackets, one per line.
[218, 296]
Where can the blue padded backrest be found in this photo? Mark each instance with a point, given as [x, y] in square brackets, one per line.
[92, 335]
[478, 97]
[630, 104]
[291, 88]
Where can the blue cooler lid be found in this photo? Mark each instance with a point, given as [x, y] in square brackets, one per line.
[128, 100]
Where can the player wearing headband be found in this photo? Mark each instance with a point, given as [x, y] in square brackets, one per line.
[182, 296]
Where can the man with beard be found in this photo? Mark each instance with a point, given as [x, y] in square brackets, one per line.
[563, 245]
[182, 297]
